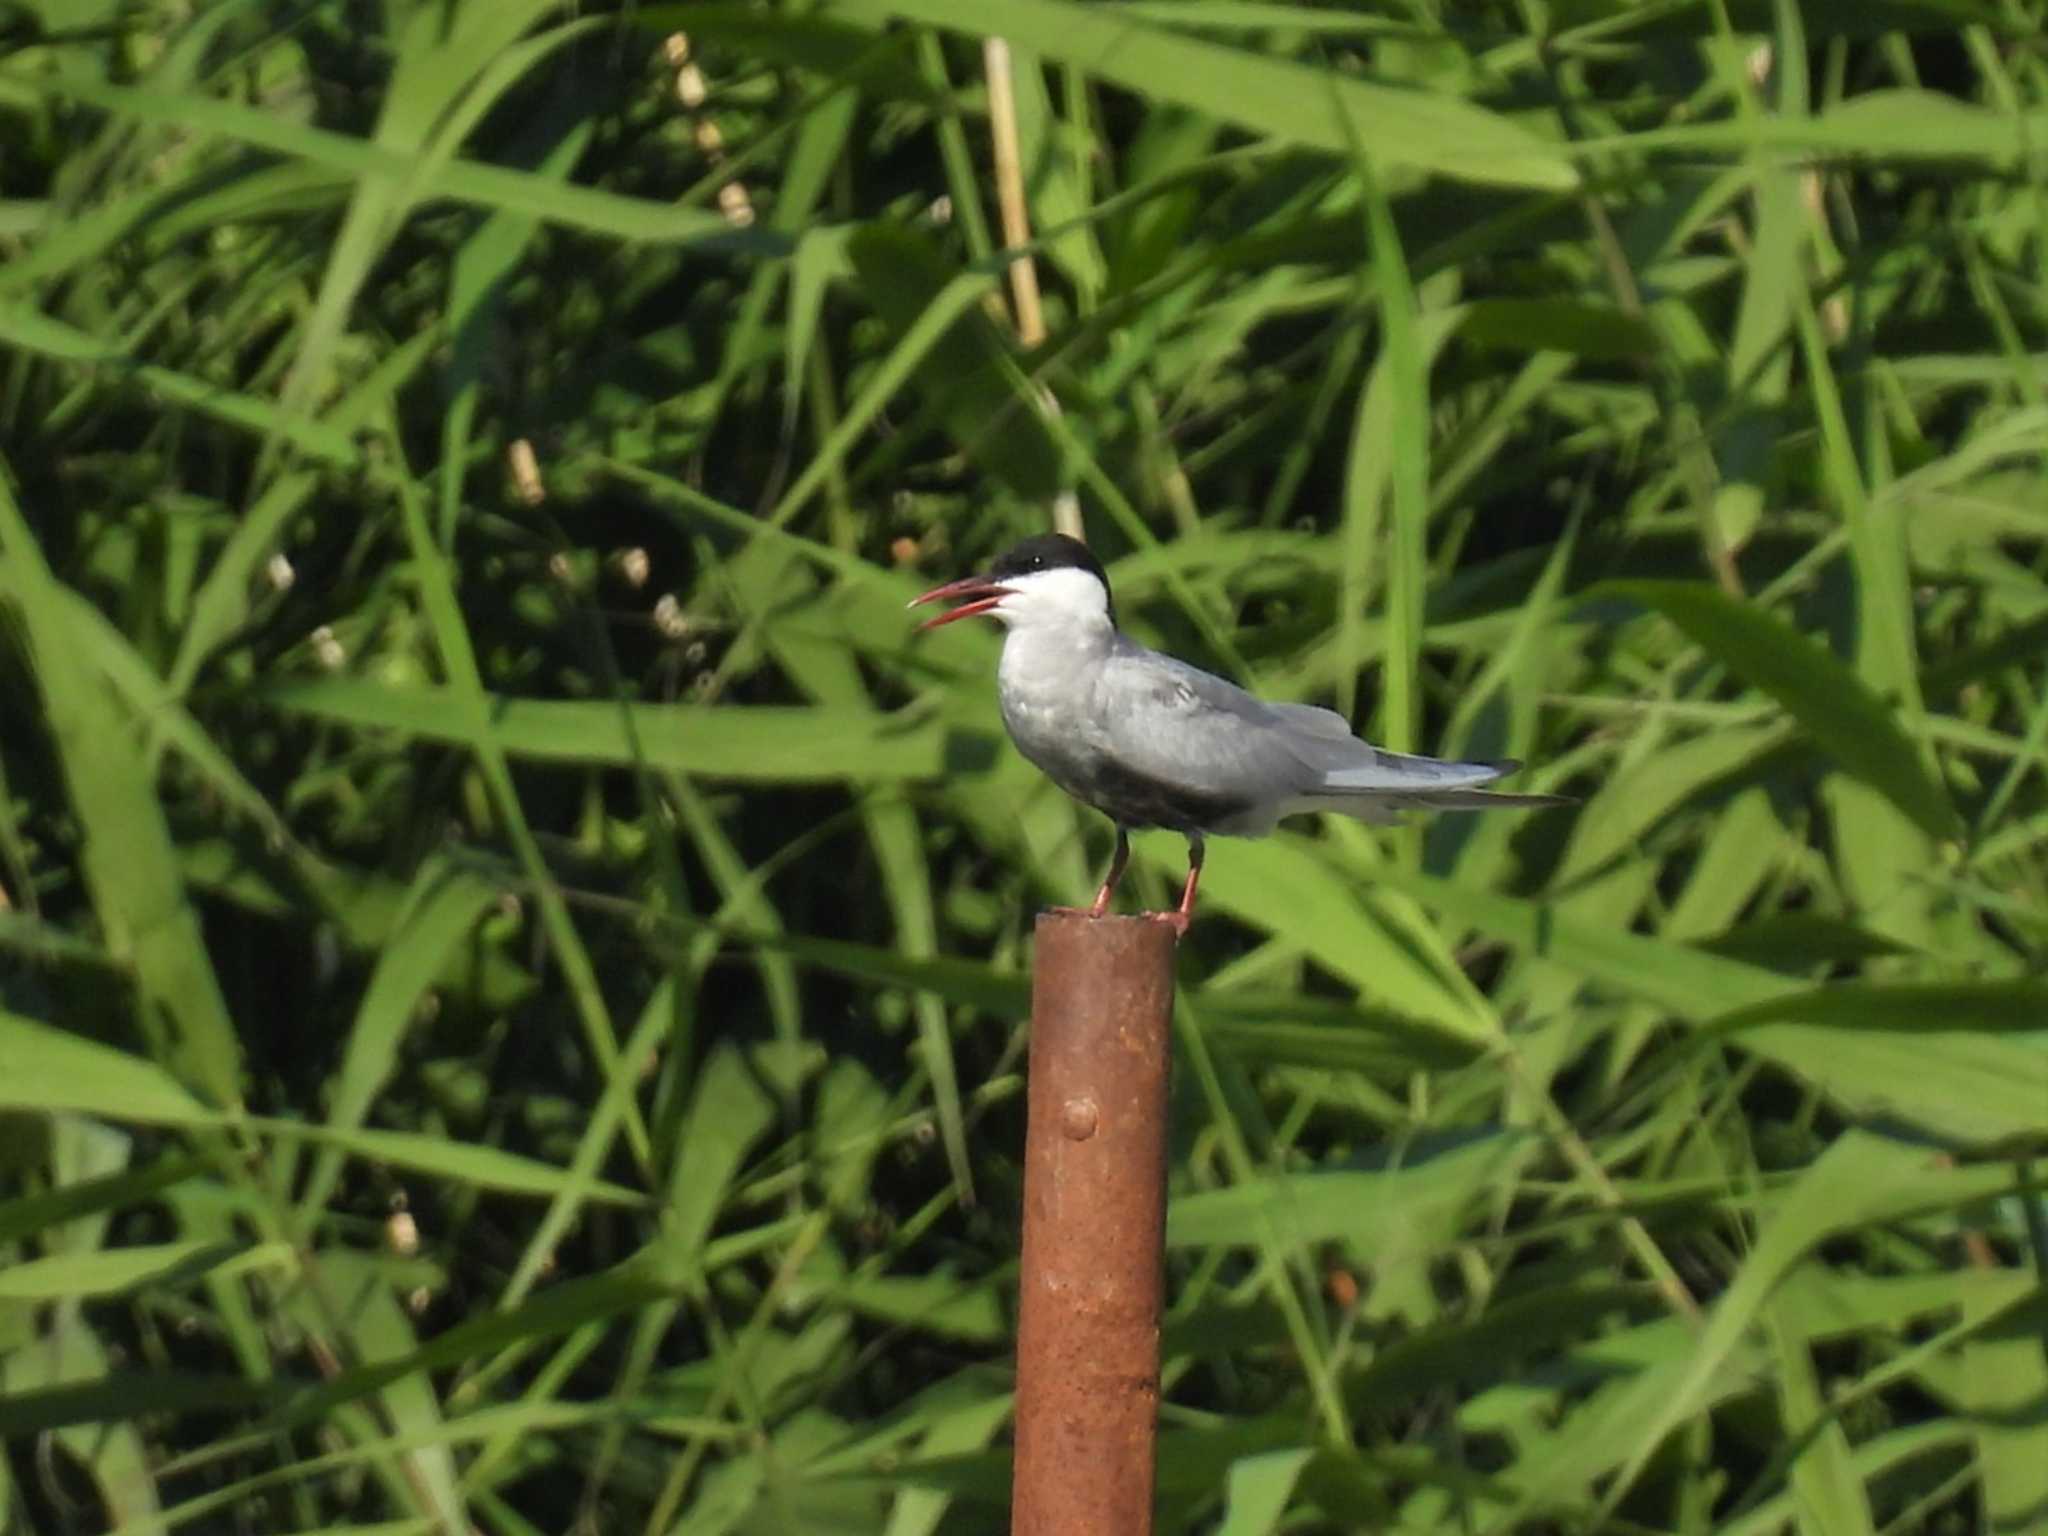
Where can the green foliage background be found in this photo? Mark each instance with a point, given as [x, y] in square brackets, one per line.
[510, 993]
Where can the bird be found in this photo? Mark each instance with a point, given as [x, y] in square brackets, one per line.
[1151, 741]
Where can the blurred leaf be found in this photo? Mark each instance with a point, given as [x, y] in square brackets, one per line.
[764, 743]
[937, 1303]
[39, 334]
[44, 942]
[26, 1215]
[1995, 1007]
[1289, 101]
[1258, 1490]
[1403, 1210]
[1796, 940]
[112, 1456]
[146, 919]
[732, 1112]
[1974, 1089]
[52, 1070]
[1367, 946]
[379, 1330]
[485, 186]
[965, 372]
[1850, 722]
[1858, 1181]
[440, 913]
[119, 1396]
[47, 1070]
[112, 1271]
[796, 39]
[1556, 325]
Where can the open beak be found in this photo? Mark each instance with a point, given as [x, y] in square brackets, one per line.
[979, 594]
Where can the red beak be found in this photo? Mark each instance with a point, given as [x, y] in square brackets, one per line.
[981, 594]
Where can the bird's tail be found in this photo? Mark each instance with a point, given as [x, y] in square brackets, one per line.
[1399, 773]
[1481, 800]
[1398, 783]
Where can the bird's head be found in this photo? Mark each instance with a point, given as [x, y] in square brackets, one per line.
[1047, 581]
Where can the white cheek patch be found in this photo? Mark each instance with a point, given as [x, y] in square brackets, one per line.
[1061, 593]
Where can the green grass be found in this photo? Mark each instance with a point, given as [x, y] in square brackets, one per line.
[511, 1003]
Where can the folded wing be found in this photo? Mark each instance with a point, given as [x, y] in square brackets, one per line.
[1178, 724]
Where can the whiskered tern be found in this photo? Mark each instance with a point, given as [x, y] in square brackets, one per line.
[1153, 742]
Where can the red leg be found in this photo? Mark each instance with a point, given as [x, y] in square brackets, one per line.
[1185, 913]
[1117, 861]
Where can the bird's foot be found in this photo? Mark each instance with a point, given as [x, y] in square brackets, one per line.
[1075, 911]
[1177, 921]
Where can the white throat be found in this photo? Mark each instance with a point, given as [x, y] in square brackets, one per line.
[1063, 598]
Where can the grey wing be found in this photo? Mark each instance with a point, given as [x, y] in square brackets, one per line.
[1352, 766]
[1314, 720]
[1179, 725]
[1182, 722]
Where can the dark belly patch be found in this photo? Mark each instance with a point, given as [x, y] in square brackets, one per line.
[1135, 799]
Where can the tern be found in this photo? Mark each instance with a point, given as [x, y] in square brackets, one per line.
[1153, 742]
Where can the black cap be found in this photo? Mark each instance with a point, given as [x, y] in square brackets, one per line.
[1047, 552]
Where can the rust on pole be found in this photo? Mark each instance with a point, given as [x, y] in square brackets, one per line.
[1091, 1279]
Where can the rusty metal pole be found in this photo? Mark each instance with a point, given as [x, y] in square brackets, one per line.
[1091, 1280]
